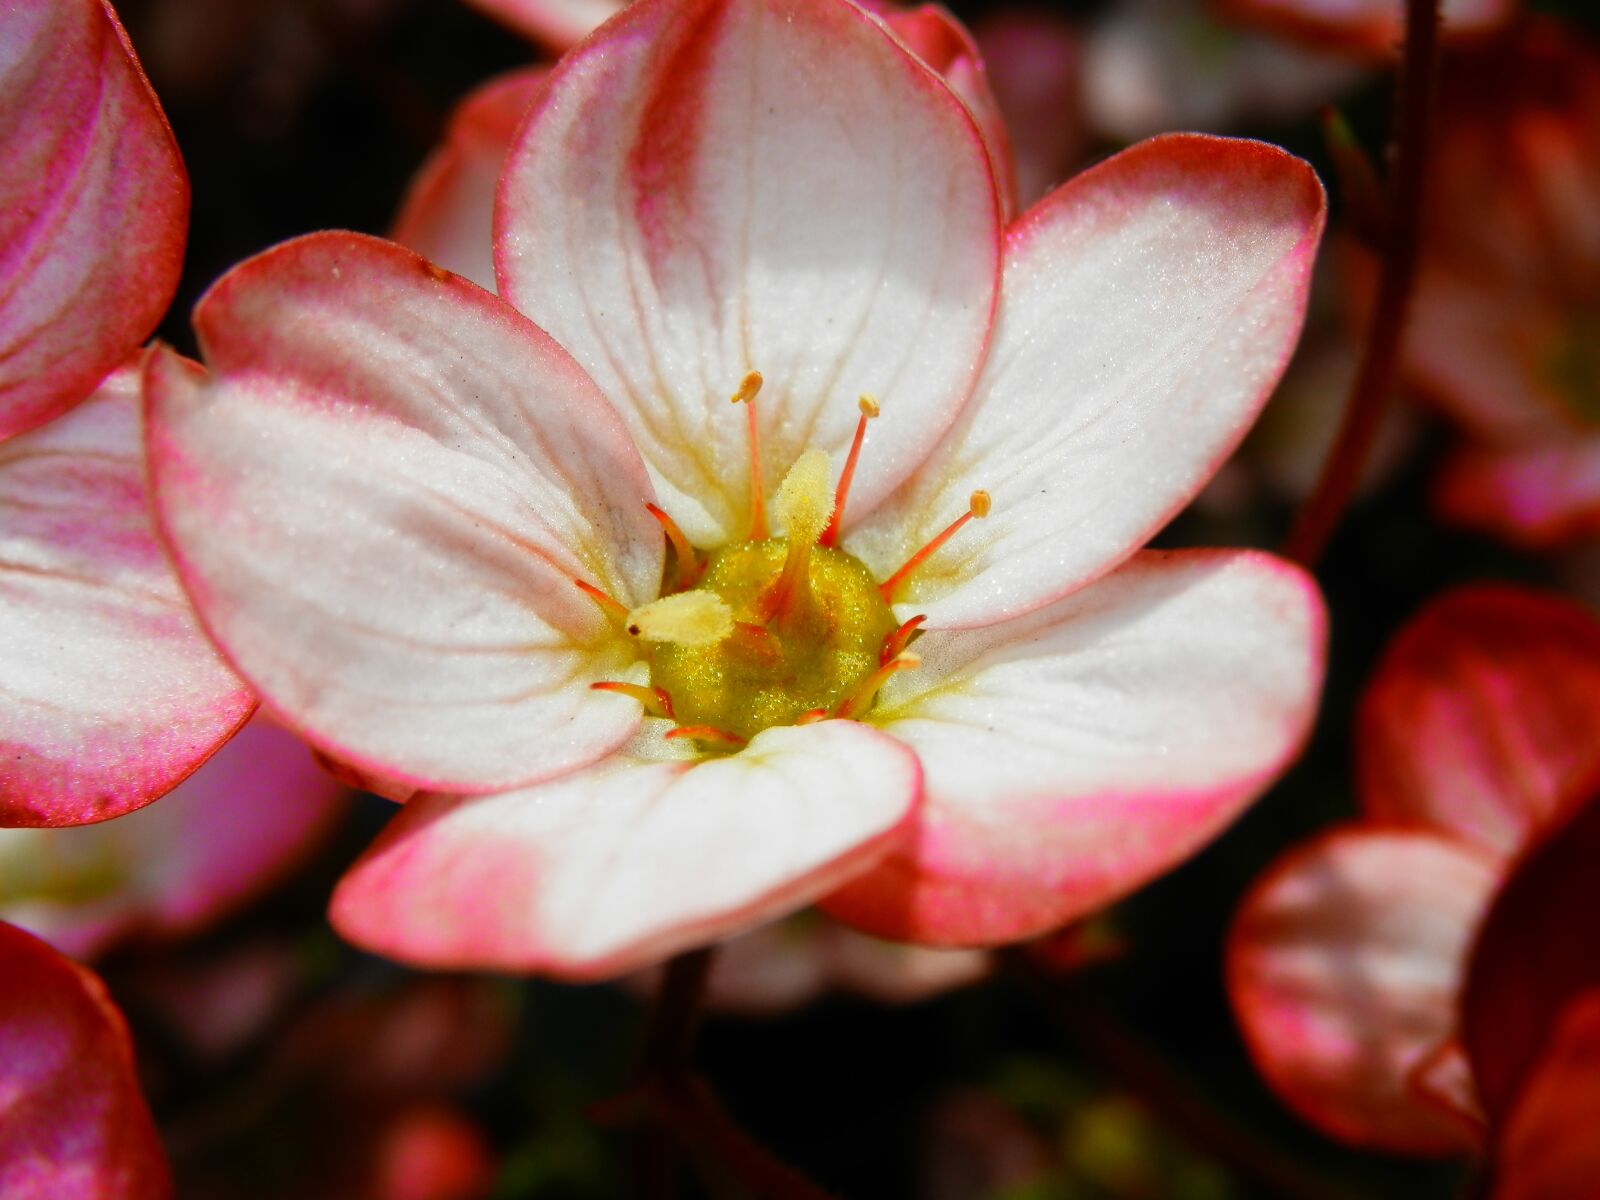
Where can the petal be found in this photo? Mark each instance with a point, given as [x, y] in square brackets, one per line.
[109, 692]
[1371, 28]
[1149, 307]
[1535, 953]
[1072, 755]
[612, 868]
[1032, 58]
[223, 835]
[556, 25]
[75, 1121]
[380, 500]
[1343, 965]
[448, 212]
[1547, 1148]
[1540, 496]
[93, 206]
[720, 186]
[1482, 715]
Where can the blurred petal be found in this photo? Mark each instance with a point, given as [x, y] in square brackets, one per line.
[1536, 496]
[227, 832]
[94, 205]
[614, 867]
[76, 1124]
[1483, 714]
[1343, 964]
[1032, 63]
[1535, 953]
[710, 188]
[380, 499]
[1149, 307]
[1371, 28]
[1072, 755]
[556, 25]
[1547, 1148]
[109, 692]
[448, 212]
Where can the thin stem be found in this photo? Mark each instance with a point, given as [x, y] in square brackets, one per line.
[1374, 384]
[669, 1037]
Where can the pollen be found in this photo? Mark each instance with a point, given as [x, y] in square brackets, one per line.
[697, 618]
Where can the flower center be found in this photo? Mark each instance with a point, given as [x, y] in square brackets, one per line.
[772, 630]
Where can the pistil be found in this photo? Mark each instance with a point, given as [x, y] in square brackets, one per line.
[805, 506]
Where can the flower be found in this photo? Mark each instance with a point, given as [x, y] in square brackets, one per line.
[76, 1123]
[418, 524]
[1506, 317]
[113, 695]
[1347, 958]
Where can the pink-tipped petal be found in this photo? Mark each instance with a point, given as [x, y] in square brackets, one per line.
[719, 186]
[609, 869]
[557, 25]
[944, 44]
[1547, 1148]
[380, 499]
[1483, 714]
[109, 692]
[247, 816]
[1149, 307]
[74, 1121]
[1368, 28]
[94, 204]
[1073, 754]
[1538, 496]
[1343, 965]
[447, 215]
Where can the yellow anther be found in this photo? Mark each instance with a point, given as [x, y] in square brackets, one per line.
[868, 406]
[979, 503]
[697, 618]
[748, 387]
[805, 501]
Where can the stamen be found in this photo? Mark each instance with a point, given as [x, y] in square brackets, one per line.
[705, 733]
[812, 717]
[656, 702]
[805, 506]
[869, 410]
[900, 638]
[686, 619]
[746, 395]
[977, 506]
[688, 566]
[613, 608]
[859, 701]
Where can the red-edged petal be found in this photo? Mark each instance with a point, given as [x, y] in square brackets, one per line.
[380, 499]
[941, 41]
[556, 25]
[1343, 965]
[1536, 952]
[611, 868]
[1483, 715]
[447, 215]
[1073, 754]
[1149, 307]
[109, 692]
[1547, 1148]
[1371, 28]
[94, 205]
[75, 1123]
[248, 815]
[719, 186]
[1539, 496]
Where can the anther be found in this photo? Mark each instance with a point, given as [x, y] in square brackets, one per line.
[685, 618]
[705, 733]
[869, 410]
[855, 706]
[977, 507]
[612, 608]
[688, 569]
[749, 386]
[655, 700]
[900, 638]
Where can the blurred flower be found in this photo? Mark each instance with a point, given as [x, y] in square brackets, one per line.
[1505, 327]
[681, 207]
[75, 1121]
[247, 816]
[1033, 61]
[1366, 28]
[113, 694]
[1346, 960]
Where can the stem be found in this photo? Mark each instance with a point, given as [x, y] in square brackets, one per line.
[1374, 384]
[669, 1038]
